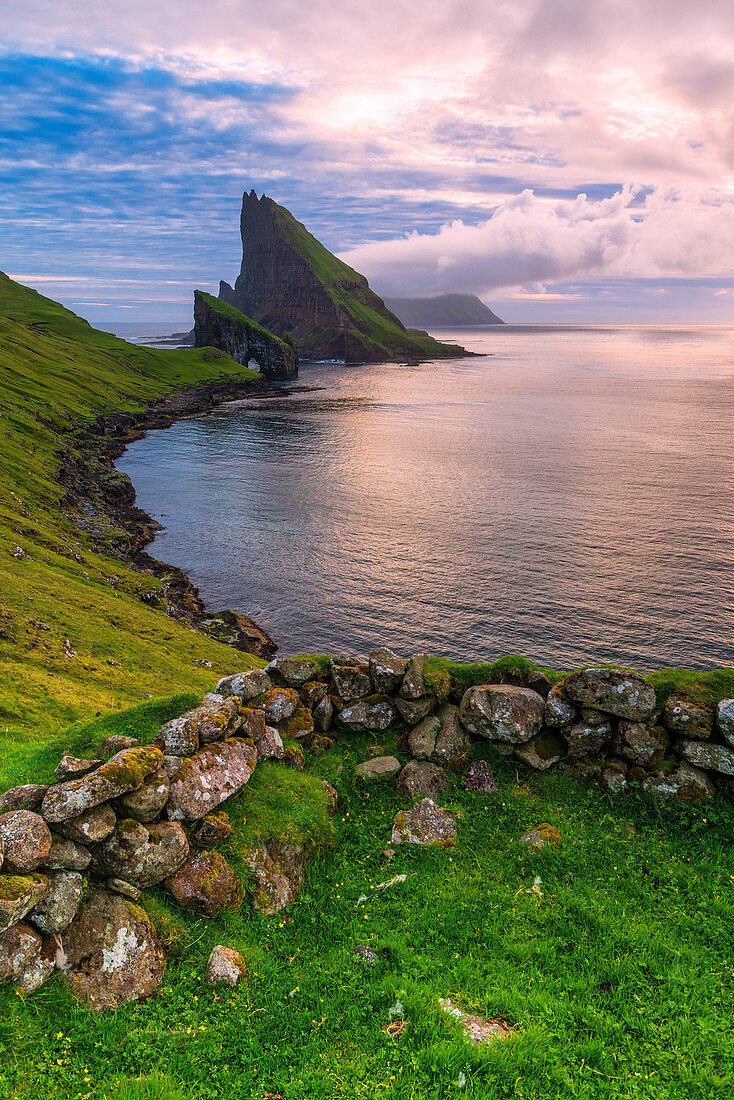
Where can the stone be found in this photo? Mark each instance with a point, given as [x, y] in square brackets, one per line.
[716, 757]
[425, 823]
[642, 744]
[57, 910]
[39, 969]
[413, 685]
[543, 836]
[207, 779]
[364, 952]
[592, 717]
[584, 740]
[27, 797]
[299, 726]
[179, 737]
[20, 946]
[216, 325]
[502, 712]
[225, 966]
[26, 840]
[206, 885]
[684, 783]
[212, 830]
[67, 855]
[148, 800]
[479, 779]
[420, 778]
[724, 720]
[18, 894]
[541, 753]
[278, 870]
[452, 749]
[386, 670]
[478, 1029]
[124, 889]
[172, 764]
[112, 953]
[270, 745]
[558, 711]
[142, 855]
[422, 738]
[123, 772]
[313, 692]
[90, 827]
[621, 692]
[351, 683]
[71, 767]
[245, 685]
[414, 711]
[685, 719]
[279, 704]
[373, 713]
[332, 798]
[294, 758]
[380, 767]
[614, 776]
[323, 714]
[215, 718]
[115, 743]
[253, 723]
[296, 671]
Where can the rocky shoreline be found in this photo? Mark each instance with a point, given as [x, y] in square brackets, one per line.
[101, 501]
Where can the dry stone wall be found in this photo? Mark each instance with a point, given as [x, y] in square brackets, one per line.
[76, 855]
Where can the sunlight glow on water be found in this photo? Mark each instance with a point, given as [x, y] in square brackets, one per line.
[569, 497]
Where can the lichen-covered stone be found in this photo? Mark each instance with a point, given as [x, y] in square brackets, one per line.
[67, 855]
[148, 800]
[26, 840]
[351, 682]
[278, 871]
[294, 757]
[124, 889]
[112, 954]
[141, 854]
[296, 671]
[115, 743]
[621, 692]
[313, 692]
[246, 685]
[323, 714]
[225, 966]
[57, 910]
[478, 1029]
[179, 737]
[375, 712]
[212, 830]
[642, 744]
[27, 797]
[614, 776]
[452, 749]
[590, 716]
[90, 827]
[425, 823]
[542, 836]
[71, 767]
[39, 969]
[685, 719]
[253, 723]
[299, 726]
[413, 685]
[206, 885]
[479, 779]
[270, 745]
[718, 758]
[332, 797]
[502, 712]
[724, 719]
[122, 773]
[18, 894]
[172, 764]
[216, 718]
[684, 783]
[386, 670]
[420, 778]
[207, 779]
[541, 753]
[558, 710]
[20, 946]
[414, 711]
[278, 704]
[380, 767]
[422, 738]
[584, 740]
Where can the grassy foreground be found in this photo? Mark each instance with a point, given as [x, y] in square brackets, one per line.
[610, 958]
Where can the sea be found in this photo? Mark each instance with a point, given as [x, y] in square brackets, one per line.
[567, 493]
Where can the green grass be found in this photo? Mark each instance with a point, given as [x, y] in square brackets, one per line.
[57, 375]
[232, 314]
[617, 981]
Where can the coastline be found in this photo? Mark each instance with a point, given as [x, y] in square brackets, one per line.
[101, 500]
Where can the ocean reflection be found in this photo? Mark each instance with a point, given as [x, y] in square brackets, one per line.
[568, 497]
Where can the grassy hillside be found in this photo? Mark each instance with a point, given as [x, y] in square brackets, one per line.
[233, 314]
[57, 374]
[384, 333]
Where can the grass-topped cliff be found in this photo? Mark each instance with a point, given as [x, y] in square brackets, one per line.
[68, 609]
[290, 282]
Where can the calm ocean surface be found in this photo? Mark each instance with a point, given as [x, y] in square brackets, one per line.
[569, 497]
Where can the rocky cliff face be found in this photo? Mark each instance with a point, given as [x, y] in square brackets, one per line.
[220, 325]
[291, 284]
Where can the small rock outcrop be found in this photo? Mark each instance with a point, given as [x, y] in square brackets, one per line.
[425, 823]
[222, 326]
[225, 966]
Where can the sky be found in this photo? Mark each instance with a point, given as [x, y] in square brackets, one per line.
[565, 160]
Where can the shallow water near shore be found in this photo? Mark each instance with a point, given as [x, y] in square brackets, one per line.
[569, 497]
